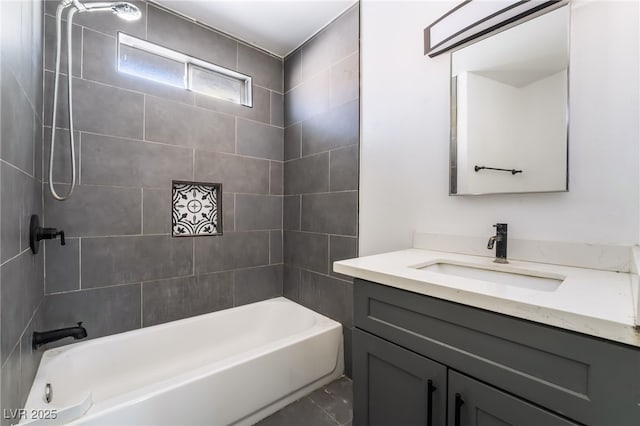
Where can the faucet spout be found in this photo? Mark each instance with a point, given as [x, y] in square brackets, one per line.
[491, 242]
[500, 242]
[40, 338]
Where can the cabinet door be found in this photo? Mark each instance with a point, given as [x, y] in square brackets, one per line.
[472, 403]
[395, 387]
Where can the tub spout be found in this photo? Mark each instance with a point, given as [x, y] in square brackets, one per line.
[40, 338]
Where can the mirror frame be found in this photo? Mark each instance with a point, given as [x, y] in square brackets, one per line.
[453, 114]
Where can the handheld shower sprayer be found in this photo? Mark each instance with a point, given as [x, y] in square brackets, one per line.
[123, 10]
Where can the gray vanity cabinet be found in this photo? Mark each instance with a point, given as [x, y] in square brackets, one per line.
[472, 403]
[507, 371]
[394, 386]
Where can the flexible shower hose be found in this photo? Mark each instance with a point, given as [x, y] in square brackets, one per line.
[59, 11]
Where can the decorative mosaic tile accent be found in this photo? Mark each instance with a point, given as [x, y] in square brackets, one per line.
[195, 207]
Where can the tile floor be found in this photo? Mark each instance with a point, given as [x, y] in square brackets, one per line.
[328, 406]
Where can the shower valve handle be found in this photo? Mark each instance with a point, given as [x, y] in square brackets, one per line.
[61, 234]
[38, 233]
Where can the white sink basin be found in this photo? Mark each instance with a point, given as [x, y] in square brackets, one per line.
[500, 274]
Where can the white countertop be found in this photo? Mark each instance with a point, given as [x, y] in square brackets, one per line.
[594, 302]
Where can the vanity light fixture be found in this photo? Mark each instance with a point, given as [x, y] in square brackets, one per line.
[475, 18]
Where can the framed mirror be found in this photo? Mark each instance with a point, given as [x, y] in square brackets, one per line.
[509, 109]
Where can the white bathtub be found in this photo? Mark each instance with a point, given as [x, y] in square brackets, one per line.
[235, 366]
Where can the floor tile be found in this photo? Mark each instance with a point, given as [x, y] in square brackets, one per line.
[327, 406]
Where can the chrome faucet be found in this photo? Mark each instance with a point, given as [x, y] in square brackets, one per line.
[501, 239]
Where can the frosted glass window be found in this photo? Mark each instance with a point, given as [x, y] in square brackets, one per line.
[148, 60]
[150, 66]
[215, 84]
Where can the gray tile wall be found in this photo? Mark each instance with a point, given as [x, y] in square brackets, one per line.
[320, 210]
[21, 273]
[121, 269]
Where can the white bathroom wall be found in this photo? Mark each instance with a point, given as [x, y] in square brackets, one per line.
[405, 135]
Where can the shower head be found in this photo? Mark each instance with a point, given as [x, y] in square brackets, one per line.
[123, 10]
[126, 11]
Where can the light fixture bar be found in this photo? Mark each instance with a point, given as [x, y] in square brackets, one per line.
[475, 18]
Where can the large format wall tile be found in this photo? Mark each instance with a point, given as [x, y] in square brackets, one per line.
[291, 212]
[179, 124]
[341, 248]
[258, 212]
[345, 80]
[208, 254]
[29, 358]
[119, 260]
[336, 128]
[171, 31]
[332, 213]
[103, 311]
[260, 111]
[62, 266]
[307, 250]
[14, 185]
[291, 282]
[343, 169]
[95, 211]
[125, 162]
[335, 42]
[233, 250]
[329, 296]
[156, 211]
[236, 173]
[22, 47]
[21, 197]
[275, 247]
[259, 140]
[178, 298]
[308, 99]
[293, 141]
[277, 109]
[11, 390]
[245, 249]
[118, 113]
[20, 294]
[307, 174]
[265, 69]
[276, 183]
[292, 70]
[255, 284]
[18, 130]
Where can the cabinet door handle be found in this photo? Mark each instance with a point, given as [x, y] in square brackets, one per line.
[459, 403]
[430, 390]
